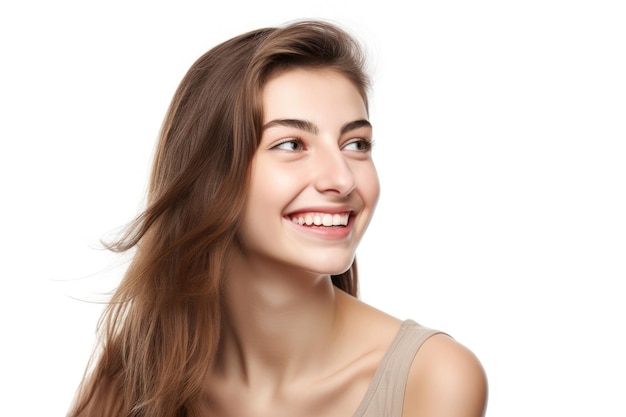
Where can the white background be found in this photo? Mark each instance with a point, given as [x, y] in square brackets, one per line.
[500, 130]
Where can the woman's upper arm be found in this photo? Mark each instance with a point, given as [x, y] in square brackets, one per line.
[446, 380]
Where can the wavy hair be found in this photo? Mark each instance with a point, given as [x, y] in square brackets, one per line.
[159, 333]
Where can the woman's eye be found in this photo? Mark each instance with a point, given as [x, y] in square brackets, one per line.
[290, 145]
[360, 145]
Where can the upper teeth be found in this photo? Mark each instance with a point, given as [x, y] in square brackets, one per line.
[321, 219]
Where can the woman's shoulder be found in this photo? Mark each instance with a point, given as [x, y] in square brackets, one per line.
[445, 379]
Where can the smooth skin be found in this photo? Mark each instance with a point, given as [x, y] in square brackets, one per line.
[293, 344]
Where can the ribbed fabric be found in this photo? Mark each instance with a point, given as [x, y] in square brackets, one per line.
[385, 395]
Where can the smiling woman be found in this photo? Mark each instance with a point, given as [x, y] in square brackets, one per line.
[241, 297]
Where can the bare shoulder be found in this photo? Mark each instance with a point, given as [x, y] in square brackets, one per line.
[446, 380]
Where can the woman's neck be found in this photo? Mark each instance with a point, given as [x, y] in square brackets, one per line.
[279, 323]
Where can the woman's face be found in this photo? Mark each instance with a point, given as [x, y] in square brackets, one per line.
[313, 186]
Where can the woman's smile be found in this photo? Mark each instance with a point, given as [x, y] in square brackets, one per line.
[321, 219]
[324, 225]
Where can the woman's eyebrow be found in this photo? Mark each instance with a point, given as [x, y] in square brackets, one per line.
[312, 128]
[355, 125]
[294, 123]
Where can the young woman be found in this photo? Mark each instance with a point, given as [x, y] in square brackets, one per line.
[241, 297]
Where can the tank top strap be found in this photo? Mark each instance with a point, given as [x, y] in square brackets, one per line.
[385, 395]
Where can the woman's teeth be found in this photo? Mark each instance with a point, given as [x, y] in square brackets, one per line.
[321, 219]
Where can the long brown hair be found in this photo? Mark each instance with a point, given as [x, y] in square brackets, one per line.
[160, 331]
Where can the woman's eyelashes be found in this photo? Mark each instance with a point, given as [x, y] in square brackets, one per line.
[291, 144]
[297, 144]
[359, 145]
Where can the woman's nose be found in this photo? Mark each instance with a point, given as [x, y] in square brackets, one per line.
[333, 173]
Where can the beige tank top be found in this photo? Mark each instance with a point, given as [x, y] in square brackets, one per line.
[385, 395]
